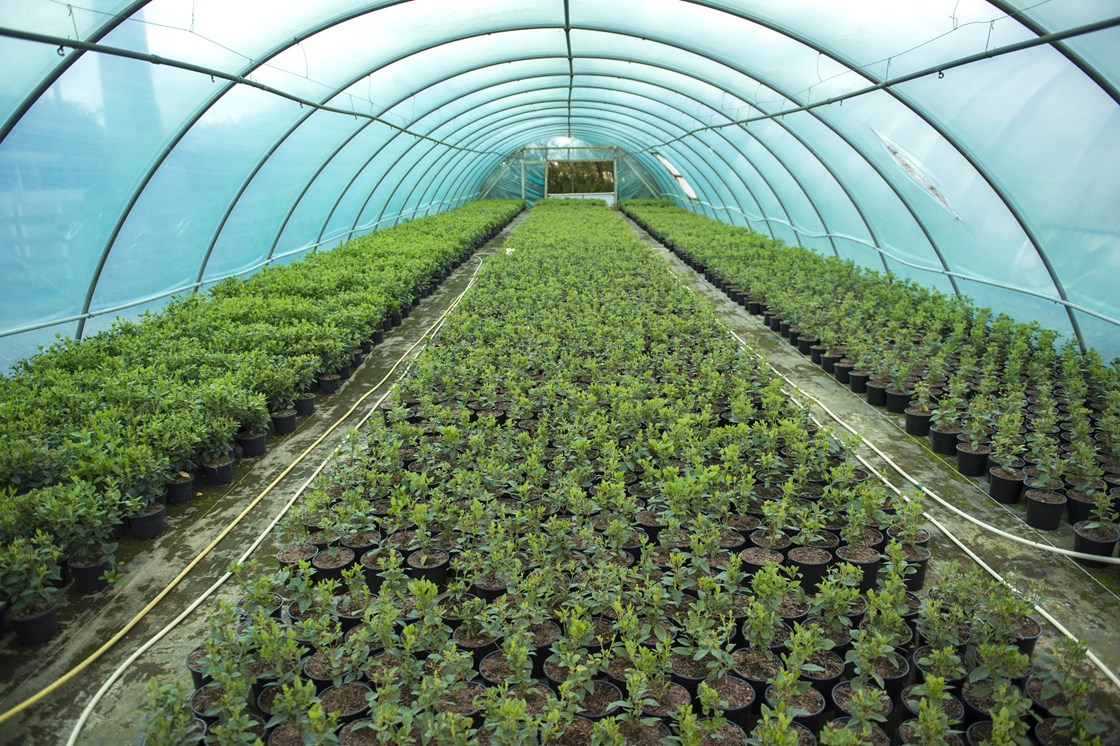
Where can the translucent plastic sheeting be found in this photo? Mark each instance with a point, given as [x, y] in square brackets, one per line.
[38, 61]
[1001, 170]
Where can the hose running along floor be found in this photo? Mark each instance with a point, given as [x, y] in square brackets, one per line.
[1084, 601]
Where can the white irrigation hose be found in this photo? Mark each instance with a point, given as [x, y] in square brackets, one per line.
[160, 634]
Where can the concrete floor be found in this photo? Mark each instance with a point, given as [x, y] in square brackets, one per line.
[1073, 595]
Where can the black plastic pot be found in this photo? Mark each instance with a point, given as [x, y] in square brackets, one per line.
[915, 581]
[972, 464]
[346, 717]
[87, 578]
[810, 719]
[435, 573]
[304, 404]
[35, 629]
[252, 445]
[218, 474]
[1003, 489]
[805, 345]
[857, 381]
[870, 569]
[898, 401]
[1087, 545]
[842, 372]
[812, 568]
[284, 423]
[917, 423]
[326, 566]
[876, 394]
[180, 491]
[148, 525]
[329, 383]
[944, 443]
[1077, 510]
[1045, 515]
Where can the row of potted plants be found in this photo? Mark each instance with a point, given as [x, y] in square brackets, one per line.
[578, 520]
[1039, 420]
[111, 429]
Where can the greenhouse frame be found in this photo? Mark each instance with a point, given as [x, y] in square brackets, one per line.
[279, 275]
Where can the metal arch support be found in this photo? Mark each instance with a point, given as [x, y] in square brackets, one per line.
[614, 136]
[491, 129]
[686, 113]
[922, 113]
[637, 109]
[571, 65]
[1064, 48]
[184, 128]
[631, 108]
[449, 166]
[599, 128]
[808, 198]
[341, 20]
[306, 187]
[905, 203]
[65, 64]
[507, 114]
[182, 133]
[732, 145]
[856, 149]
[459, 115]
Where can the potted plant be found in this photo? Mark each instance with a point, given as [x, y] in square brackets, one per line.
[1005, 475]
[304, 400]
[874, 659]
[298, 717]
[28, 572]
[920, 410]
[791, 687]
[216, 451]
[996, 666]
[810, 555]
[776, 728]
[945, 423]
[972, 453]
[1097, 535]
[865, 710]
[1009, 724]
[168, 721]
[933, 726]
[1046, 499]
[253, 432]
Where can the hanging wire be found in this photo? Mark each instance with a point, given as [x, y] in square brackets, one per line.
[73, 20]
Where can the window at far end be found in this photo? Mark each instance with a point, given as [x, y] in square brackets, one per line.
[685, 186]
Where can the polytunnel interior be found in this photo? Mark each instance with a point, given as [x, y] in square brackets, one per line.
[149, 149]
